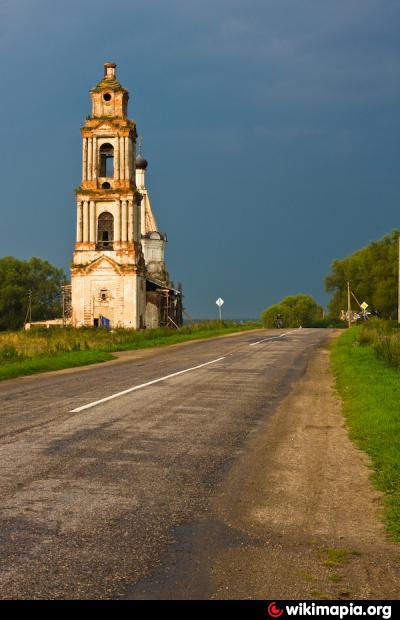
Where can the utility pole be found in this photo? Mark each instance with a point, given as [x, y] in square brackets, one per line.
[63, 305]
[29, 310]
[30, 306]
[348, 303]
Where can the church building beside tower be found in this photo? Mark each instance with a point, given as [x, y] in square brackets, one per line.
[118, 273]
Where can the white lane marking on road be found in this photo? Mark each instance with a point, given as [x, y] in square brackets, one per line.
[252, 344]
[142, 385]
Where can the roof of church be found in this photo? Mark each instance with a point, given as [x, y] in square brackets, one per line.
[155, 235]
[110, 84]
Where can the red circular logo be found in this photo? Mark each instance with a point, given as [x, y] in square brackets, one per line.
[274, 611]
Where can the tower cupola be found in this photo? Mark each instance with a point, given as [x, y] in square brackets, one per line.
[109, 97]
[141, 162]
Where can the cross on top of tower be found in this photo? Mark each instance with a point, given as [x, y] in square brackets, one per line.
[140, 144]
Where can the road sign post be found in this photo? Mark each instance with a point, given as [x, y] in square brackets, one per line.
[348, 304]
[220, 303]
[364, 307]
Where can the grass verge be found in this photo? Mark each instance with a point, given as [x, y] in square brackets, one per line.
[371, 396]
[27, 353]
[45, 363]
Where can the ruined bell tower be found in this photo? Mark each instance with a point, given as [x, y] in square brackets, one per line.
[108, 270]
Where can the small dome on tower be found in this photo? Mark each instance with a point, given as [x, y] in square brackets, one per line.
[141, 162]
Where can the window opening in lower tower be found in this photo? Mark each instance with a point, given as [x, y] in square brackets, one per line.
[105, 231]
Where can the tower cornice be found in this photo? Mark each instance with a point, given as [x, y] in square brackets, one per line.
[113, 132]
[83, 193]
[94, 122]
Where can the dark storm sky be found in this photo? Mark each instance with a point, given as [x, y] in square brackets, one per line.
[271, 128]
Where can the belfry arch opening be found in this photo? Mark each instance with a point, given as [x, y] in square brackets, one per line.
[107, 160]
[105, 231]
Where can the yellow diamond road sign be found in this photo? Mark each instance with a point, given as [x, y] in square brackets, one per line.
[364, 305]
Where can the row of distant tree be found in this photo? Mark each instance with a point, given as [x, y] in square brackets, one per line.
[373, 275]
[372, 271]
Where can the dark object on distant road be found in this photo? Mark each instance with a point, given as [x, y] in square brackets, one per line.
[278, 321]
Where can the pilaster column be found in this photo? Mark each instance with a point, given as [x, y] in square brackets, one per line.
[121, 159]
[94, 159]
[85, 221]
[84, 159]
[143, 214]
[124, 222]
[137, 213]
[116, 159]
[130, 220]
[92, 222]
[79, 222]
[126, 146]
[117, 223]
[90, 157]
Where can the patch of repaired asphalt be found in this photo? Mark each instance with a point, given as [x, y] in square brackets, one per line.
[185, 571]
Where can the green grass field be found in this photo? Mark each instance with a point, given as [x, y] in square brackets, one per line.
[40, 350]
[370, 390]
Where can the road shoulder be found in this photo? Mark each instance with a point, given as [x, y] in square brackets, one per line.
[301, 495]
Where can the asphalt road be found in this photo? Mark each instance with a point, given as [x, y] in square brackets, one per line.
[100, 500]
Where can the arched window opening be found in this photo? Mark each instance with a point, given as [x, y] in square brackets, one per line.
[107, 160]
[105, 231]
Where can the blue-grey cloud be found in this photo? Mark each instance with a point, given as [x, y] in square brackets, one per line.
[271, 128]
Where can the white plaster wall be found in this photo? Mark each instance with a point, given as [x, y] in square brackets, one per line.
[125, 304]
[153, 250]
[140, 178]
[106, 139]
[143, 206]
[112, 207]
[78, 301]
